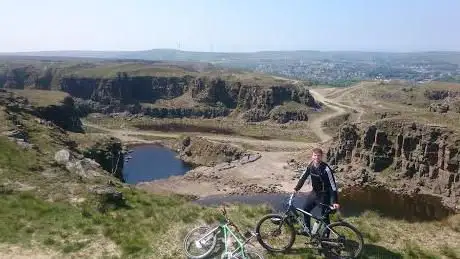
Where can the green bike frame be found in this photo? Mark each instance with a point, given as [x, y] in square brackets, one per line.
[241, 241]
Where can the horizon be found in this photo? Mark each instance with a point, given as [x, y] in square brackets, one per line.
[226, 26]
[226, 52]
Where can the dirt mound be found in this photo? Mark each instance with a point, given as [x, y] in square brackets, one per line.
[200, 151]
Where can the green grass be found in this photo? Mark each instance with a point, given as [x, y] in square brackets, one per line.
[41, 98]
[298, 131]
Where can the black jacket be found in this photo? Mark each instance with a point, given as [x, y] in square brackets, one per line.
[322, 180]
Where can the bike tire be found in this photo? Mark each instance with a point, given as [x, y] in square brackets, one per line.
[207, 252]
[253, 255]
[358, 252]
[268, 247]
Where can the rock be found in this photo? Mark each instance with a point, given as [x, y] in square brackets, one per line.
[439, 107]
[64, 115]
[416, 156]
[201, 151]
[254, 115]
[108, 197]
[86, 168]
[62, 156]
[108, 153]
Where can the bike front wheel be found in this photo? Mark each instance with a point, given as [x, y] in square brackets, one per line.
[279, 228]
[200, 242]
[250, 253]
[342, 240]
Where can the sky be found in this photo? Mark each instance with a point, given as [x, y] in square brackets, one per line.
[230, 25]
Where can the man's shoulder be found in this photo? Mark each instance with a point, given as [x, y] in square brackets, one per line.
[326, 166]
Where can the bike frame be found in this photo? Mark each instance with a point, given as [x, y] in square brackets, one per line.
[292, 209]
[227, 233]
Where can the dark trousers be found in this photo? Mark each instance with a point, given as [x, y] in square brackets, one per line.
[312, 200]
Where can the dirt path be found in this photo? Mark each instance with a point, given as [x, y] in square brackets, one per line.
[135, 136]
[317, 124]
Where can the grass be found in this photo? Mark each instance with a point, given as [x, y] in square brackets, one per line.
[297, 131]
[154, 226]
[41, 98]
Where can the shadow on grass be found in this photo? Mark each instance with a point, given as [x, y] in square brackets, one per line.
[371, 251]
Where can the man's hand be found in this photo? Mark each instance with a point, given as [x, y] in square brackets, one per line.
[335, 206]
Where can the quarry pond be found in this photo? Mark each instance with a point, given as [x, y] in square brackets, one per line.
[354, 201]
[152, 162]
[149, 162]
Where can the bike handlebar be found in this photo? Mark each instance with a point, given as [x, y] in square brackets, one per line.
[224, 212]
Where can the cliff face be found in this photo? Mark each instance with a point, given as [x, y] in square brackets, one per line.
[408, 156]
[109, 154]
[216, 96]
[64, 115]
[124, 89]
[207, 96]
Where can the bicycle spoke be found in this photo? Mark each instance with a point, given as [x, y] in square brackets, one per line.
[342, 241]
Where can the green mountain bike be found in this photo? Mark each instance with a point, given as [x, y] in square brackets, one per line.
[327, 237]
[202, 241]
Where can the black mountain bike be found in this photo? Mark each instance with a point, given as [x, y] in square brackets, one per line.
[322, 235]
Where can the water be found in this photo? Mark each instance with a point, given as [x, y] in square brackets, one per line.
[152, 162]
[353, 203]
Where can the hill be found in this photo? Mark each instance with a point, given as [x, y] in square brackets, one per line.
[320, 67]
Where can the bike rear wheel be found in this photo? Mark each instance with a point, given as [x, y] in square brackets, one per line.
[334, 242]
[198, 250]
[281, 224]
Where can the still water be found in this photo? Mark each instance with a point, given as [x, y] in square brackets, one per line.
[152, 162]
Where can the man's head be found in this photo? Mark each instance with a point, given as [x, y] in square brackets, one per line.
[317, 155]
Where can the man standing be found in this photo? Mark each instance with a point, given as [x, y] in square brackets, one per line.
[323, 183]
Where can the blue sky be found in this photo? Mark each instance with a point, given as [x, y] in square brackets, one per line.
[230, 25]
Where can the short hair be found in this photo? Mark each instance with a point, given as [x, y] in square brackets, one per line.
[317, 151]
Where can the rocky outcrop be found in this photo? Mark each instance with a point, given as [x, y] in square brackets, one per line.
[408, 156]
[108, 152]
[439, 107]
[85, 168]
[216, 96]
[64, 115]
[84, 107]
[125, 93]
[254, 115]
[199, 151]
[441, 94]
[282, 115]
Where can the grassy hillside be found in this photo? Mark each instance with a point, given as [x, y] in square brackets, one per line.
[29, 70]
[49, 212]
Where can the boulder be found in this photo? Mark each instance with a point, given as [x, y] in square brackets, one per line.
[62, 156]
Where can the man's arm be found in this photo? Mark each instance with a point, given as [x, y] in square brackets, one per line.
[332, 185]
[302, 179]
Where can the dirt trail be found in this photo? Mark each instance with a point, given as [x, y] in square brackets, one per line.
[135, 136]
[317, 124]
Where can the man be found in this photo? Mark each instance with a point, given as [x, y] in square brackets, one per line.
[323, 183]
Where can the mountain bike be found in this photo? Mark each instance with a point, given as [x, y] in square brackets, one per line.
[319, 235]
[206, 241]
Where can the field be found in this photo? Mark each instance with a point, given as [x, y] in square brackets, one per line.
[399, 100]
